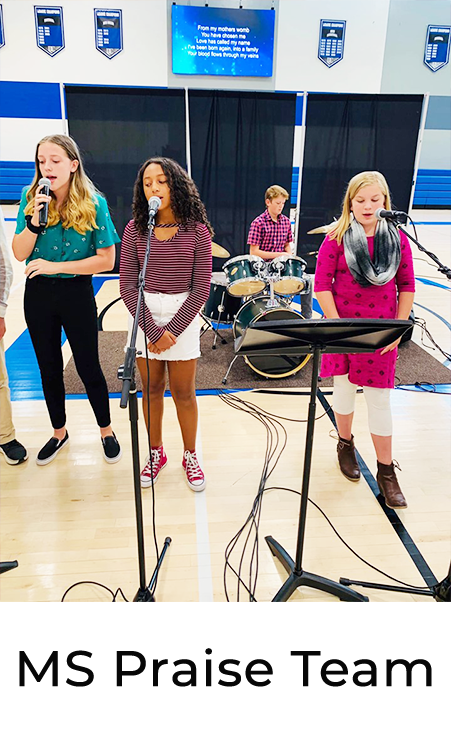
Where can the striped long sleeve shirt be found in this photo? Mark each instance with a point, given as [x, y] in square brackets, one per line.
[6, 268]
[180, 264]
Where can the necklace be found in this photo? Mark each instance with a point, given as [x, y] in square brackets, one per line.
[167, 226]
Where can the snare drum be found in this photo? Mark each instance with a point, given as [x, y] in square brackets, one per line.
[220, 305]
[290, 272]
[268, 365]
[244, 275]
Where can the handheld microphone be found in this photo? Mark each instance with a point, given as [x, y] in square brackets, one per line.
[154, 206]
[399, 216]
[45, 186]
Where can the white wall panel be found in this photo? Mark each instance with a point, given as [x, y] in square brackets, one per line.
[143, 61]
[298, 67]
[18, 137]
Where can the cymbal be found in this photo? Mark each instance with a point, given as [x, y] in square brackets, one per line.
[325, 229]
[218, 251]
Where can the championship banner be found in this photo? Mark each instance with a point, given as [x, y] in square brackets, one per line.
[2, 31]
[108, 29]
[49, 29]
[436, 52]
[331, 42]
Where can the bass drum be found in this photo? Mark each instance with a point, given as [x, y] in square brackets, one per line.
[268, 365]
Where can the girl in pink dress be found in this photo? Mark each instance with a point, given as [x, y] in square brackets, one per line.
[365, 270]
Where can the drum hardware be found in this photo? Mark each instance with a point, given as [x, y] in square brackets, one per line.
[208, 324]
[219, 308]
[287, 275]
[272, 302]
[266, 308]
[245, 275]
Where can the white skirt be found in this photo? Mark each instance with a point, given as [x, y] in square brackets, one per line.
[163, 307]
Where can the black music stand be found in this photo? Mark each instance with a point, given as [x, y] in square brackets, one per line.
[294, 337]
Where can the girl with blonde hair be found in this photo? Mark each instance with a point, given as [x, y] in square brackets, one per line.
[365, 270]
[77, 241]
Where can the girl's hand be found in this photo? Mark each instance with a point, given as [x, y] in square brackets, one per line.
[38, 267]
[163, 343]
[392, 346]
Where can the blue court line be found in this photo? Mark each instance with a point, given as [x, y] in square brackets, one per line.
[426, 388]
[429, 282]
[167, 394]
[434, 223]
[446, 322]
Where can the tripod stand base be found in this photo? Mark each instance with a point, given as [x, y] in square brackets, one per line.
[442, 591]
[297, 579]
[143, 595]
[386, 587]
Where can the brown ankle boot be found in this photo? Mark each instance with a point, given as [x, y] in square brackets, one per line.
[347, 459]
[389, 487]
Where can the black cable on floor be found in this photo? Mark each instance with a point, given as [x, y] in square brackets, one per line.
[362, 559]
[114, 594]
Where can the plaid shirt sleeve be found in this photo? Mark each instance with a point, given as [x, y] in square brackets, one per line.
[255, 233]
[289, 233]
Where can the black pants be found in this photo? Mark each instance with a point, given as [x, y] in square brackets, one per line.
[51, 304]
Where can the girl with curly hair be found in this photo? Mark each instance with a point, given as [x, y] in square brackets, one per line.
[177, 284]
[77, 241]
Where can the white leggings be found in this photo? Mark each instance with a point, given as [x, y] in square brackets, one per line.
[377, 401]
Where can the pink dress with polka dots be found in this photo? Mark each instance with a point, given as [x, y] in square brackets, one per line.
[354, 301]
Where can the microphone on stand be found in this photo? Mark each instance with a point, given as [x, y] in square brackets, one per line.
[45, 185]
[154, 207]
[398, 216]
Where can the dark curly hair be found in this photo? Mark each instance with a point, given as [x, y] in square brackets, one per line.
[186, 204]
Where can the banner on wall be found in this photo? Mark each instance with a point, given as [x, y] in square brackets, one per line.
[331, 42]
[436, 52]
[49, 29]
[2, 31]
[108, 29]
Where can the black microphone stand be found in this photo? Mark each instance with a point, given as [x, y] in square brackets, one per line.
[126, 373]
[443, 269]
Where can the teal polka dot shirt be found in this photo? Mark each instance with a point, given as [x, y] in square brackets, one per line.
[57, 244]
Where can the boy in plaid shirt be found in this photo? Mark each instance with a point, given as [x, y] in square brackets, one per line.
[270, 234]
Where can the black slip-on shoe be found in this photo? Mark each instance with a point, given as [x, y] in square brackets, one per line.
[111, 449]
[51, 450]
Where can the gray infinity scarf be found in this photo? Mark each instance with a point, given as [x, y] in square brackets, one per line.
[386, 258]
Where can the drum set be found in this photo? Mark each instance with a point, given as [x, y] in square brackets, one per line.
[250, 289]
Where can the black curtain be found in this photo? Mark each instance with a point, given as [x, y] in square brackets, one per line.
[117, 129]
[347, 134]
[241, 143]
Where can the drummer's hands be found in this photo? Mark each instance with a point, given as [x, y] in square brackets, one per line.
[163, 343]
